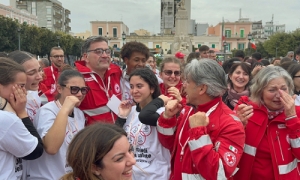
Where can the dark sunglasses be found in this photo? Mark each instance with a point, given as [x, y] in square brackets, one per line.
[75, 89]
[170, 72]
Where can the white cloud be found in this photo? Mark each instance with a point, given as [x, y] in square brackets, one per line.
[145, 14]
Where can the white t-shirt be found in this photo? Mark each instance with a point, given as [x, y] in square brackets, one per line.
[150, 155]
[52, 167]
[32, 106]
[15, 141]
[33, 103]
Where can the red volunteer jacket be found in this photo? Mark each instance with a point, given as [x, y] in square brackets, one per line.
[212, 152]
[179, 86]
[94, 104]
[284, 143]
[50, 82]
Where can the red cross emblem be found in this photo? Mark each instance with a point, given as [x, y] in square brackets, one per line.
[230, 159]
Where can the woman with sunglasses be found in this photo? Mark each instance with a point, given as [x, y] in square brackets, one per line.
[57, 122]
[170, 73]
[152, 159]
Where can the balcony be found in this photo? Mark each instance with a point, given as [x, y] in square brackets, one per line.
[68, 20]
[57, 16]
[235, 36]
[21, 4]
[68, 28]
[57, 25]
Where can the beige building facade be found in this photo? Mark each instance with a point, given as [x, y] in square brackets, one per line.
[236, 34]
[162, 44]
[113, 30]
[83, 35]
[142, 32]
[21, 15]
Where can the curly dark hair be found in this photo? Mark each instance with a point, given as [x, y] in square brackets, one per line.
[132, 47]
[149, 77]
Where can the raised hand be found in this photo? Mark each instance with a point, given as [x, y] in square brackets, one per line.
[124, 109]
[172, 108]
[198, 119]
[69, 103]
[18, 100]
[166, 99]
[288, 102]
[244, 112]
[173, 91]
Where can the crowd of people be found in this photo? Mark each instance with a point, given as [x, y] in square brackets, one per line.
[192, 117]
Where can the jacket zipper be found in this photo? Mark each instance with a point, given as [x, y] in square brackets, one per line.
[277, 133]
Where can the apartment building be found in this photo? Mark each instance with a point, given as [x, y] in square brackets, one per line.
[113, 30]
[21, 16]
[51, 14]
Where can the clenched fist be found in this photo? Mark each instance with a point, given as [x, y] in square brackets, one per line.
[172, 108]
[198, 119]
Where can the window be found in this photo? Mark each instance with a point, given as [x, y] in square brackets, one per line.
[115, 46]
[228, 47]
[199, 45]
[241, 46]
[157, 46]
[33, 8]
[49, 10]
[100, 31]
[213, 46]
[242, 31]
[227, 33]
[49, 19]
[115, 32]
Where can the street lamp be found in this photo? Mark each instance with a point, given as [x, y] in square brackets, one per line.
[249, 38]
[58, 38]
[123, 37]
[225, 45]
[19, 37]
[276, 52]
[108, 39]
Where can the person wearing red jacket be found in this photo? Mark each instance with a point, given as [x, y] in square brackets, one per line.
[207, 139]
[272, 146]
[52, 72]
[170, 73]
[102, 77]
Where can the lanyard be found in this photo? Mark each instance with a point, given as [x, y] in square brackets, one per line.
[180, 134]
[52, 72]
[105, 89]
[134, 143]
[68, 124]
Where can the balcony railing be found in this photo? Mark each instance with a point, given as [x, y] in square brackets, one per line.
[57, 25]
[57, 16]
[235, 36]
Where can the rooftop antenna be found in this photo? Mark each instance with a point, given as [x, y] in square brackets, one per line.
[240, 13]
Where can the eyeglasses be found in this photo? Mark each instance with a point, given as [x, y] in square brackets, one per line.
[170, 72]
[100, 51]
[75, 89]
[58, 56]
[296, 76]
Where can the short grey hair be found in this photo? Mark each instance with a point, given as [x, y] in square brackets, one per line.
[263, 78]
[45, 61]
[87, 43]
[208, 72]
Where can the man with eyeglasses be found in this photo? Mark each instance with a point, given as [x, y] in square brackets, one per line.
[102, 77]
[52, 72]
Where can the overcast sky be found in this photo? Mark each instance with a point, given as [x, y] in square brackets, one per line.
[145, 14]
